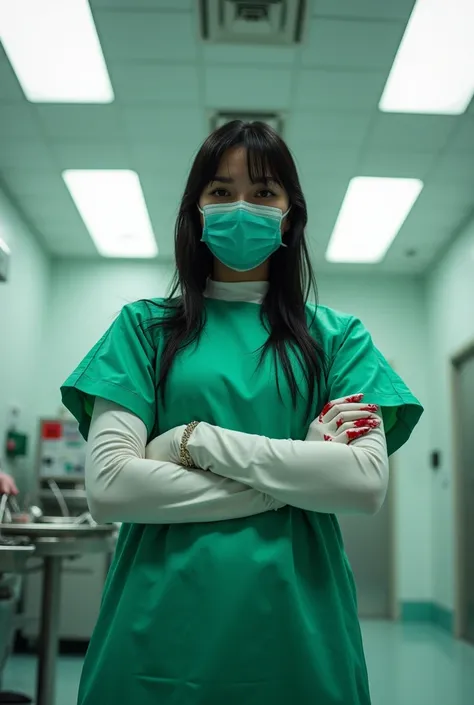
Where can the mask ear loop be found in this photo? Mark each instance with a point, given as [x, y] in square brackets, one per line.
[204, 221]
[283, 244]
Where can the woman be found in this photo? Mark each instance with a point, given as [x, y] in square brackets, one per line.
[230, 584]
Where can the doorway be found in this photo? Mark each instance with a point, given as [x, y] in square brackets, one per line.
[463, 418]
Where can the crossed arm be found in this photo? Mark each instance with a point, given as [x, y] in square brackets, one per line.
[242, 475]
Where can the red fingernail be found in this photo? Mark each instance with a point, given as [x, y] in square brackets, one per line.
[353, 435]
[327, 408]
[370, 407]
[327, 438]
[355, 398]
[371, 423]
[339, 423]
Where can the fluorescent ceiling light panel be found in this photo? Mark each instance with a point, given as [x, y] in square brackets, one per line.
[433, 71]
[55, 51]
[113, 208]
[373, 211]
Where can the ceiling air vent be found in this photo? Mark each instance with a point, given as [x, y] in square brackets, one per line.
[246, 22]
[272, 119]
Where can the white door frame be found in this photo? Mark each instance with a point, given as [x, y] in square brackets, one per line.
[459, 617]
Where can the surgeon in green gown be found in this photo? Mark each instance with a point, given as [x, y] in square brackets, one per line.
[228, 424]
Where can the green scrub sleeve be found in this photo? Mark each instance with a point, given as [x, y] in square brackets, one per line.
[358, 366]
[119, 368]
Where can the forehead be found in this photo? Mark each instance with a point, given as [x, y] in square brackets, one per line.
[234, 163]
[237, 163]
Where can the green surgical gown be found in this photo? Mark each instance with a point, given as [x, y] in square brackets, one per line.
[246, 611]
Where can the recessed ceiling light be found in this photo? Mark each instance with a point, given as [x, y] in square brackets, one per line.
[433, 71]
[113, 208]
[373, 211]
[54, 50]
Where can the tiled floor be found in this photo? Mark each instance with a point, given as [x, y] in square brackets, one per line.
[408, 665]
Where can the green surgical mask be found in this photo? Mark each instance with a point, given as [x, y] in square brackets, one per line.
[242, 235]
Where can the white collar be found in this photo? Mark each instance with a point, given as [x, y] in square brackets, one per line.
[250, 292]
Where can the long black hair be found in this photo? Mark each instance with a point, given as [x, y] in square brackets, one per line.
[283, 311]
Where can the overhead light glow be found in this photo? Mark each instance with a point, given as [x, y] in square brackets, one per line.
[112, 206]
[433, 71]
[373, 211]
[54, 50]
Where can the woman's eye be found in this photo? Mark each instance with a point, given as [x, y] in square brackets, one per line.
[266, 193]
[220, 192]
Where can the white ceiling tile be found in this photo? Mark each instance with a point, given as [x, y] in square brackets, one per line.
[88, 155]
[352, 44]
[25, 152]
[439, 193]
[432, 219]
[406, 241]
[162, 194]
[163, 199]
[157, 83]
[28, 181]
[418, 132]
[324, 195]
[371, 9]
[219, 54]
[18, 120]
[10, 90]
[320, 162]
[183, 127]
[462, 139]
[39, 208]
[94, 123]
[425, 236]
[167, 36]
[339, 90]
[68, 241]
[242, 88]
[163, 207]
[170, 162]
[62, 228]
[327, 128]
[455, 168]
[395, 163]
[135, 5]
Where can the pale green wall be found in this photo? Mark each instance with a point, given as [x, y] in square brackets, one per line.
[22, 318]
[450, 310]
[85, 297]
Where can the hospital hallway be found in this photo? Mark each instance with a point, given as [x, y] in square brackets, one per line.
[408, 663]
[230, 232]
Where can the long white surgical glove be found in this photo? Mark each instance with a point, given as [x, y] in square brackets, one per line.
[312, 475]
[125, 486]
